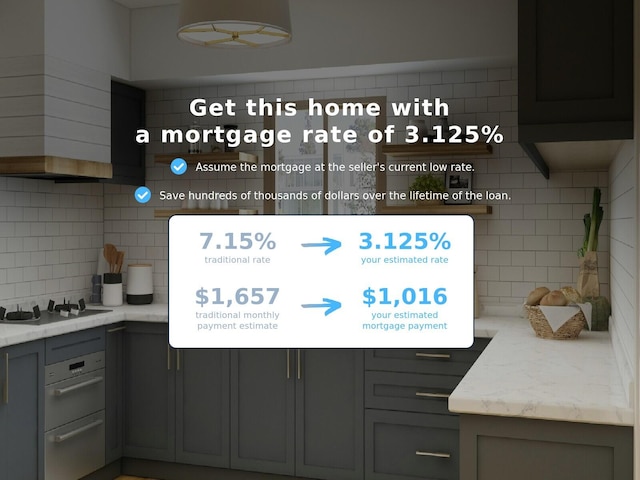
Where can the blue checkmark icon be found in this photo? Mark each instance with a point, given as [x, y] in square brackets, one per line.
[142, 195]
[178, 166]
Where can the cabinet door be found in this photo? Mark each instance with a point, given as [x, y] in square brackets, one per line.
[202, 407]
[127, 116]
[22, 412]
[262, 415]
[114, 391]
[575, 70]
[149, 393]
[329, 413]
[505, 448]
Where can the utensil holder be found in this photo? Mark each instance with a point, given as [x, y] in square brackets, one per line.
[139, 284]
[112, 290]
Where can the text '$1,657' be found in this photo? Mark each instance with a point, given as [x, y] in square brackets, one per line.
[240, 296]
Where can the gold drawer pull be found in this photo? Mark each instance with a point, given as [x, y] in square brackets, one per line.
[432, 355]
[288, 365]
[116, 329]
[432, 395]
[433, 454]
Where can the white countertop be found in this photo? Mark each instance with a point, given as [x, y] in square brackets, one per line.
[518, 374]
[13, 334]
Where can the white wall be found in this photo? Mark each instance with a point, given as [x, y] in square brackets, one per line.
[528, 241]
[50, 235]
[623, 213]
[91, 33]
[335, 33]
[21, 28]
[55, 89]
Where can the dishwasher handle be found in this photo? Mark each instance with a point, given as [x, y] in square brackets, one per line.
[63, 391]
[73, 433]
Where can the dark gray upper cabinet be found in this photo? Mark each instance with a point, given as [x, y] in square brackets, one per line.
[22, 411]
[127, 116]
[575, 72]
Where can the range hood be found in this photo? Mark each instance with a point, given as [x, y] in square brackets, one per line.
[60, 169]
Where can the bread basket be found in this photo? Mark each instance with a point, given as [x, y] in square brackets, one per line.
[568, 330]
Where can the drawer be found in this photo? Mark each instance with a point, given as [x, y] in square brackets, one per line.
[75, 449]
[409, 391]
[73, 398]
[411, 445]
[71, 345]
[446, 361]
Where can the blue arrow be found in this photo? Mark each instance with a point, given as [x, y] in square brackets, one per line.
[330, 243]
[330, 305]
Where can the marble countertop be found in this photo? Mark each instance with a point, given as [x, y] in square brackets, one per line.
[11, 334]
[518, 374]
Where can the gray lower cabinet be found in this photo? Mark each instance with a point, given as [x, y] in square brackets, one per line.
[298, 412]
[411, 445]
[149, 392]
[176, 401]
[409, 431]
[114, 391]
[22, 411]
[505, 448]
[202, 407]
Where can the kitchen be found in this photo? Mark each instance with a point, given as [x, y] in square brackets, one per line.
[51, 232]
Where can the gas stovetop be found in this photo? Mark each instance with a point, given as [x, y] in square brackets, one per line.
[53, 313]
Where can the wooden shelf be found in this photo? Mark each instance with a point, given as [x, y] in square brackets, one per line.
[229, 211]
[437, 210]
[436, 149]
[213, 157]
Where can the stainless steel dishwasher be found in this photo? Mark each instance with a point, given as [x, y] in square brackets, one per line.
[74, 417]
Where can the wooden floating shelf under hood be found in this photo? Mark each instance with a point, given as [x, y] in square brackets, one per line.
[54, 168]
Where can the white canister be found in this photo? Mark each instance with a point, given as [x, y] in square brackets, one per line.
[139, 284]
[112, 290]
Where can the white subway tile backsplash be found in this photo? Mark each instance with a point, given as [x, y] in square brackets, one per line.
[540, 215]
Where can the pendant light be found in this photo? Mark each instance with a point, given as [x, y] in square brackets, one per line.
[234, 23]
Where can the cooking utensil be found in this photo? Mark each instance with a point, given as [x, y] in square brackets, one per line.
[119, 260]
[110, 255]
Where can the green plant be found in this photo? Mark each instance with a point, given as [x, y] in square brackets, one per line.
[592, 223]
[427, 183]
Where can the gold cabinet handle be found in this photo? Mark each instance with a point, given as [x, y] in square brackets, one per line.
[168, 357]
[432, 395]
[299, 366]
[432, 355]
[433, 454]
[5, 395]
[288, 365]
[116, 329]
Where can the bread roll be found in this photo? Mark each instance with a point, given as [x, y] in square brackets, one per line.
[536, 295]
[554, 298]
[571, 294]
